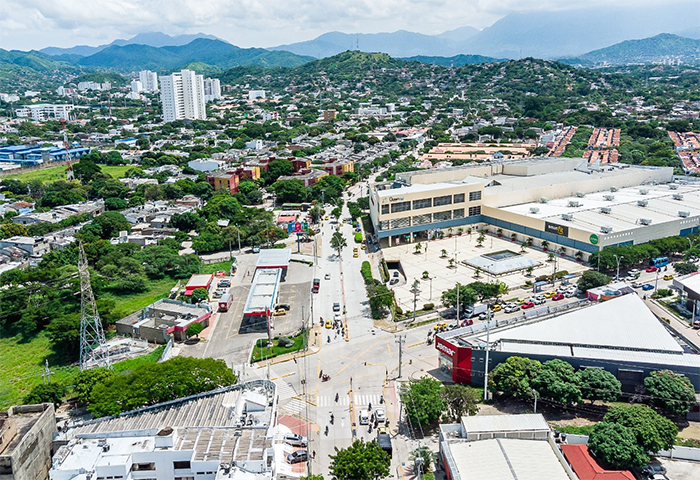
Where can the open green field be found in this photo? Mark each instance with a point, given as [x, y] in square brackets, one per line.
[127, 304]
[215, 267]
[59, 173]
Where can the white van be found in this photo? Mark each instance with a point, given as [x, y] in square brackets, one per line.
[364, 417]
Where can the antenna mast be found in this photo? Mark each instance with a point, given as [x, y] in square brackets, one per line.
[69, 170]
[93, 346]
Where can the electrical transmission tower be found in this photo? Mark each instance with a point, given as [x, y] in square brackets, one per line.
[93, 347]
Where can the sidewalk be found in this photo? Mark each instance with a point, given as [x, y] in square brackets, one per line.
[315, 344]
[681, 327]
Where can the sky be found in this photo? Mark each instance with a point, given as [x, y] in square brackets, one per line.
[35, 24]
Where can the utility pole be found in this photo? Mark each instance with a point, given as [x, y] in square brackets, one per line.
[415, 290]
[400, 339]
[488, 347]
[458, 315]
[46, 376]
[93, 346]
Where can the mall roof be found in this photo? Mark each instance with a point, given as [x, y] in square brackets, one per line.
[263, 291]
[506, 459]
[420, 187]
[504, 423]
[689, 283]
[663, 204]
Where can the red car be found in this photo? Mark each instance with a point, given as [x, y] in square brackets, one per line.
[527, 305]
[652, 269]
[467, 322]
[558, 296]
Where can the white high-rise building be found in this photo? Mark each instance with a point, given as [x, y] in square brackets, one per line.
[136, 86]
[149, 81]
[182, 95]
[212, 89]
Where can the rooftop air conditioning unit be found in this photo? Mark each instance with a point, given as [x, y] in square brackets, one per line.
[605, 210]
[678, 196]
[645, 221]
[605, 229]
[534, 210]
[642, 203]
[574, 203]
[613, 189]
[608, 198]
[580, 194]
[544, 200]
[673, 186]
[643, 191]
[567, 216]
[683, 214]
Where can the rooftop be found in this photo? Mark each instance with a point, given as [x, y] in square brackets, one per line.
[586, 468]
[263, 291]
[273, 258]
[504, 423]
[506, 459]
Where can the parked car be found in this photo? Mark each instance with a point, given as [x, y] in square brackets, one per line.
[637, 285]
[336, 307]
[468, 321]
[280, 311]
[652, 269]
[571, 293]
[336, 317]
[440, 326]
[633, 271]
[653, 469]
[225, 283]
[496, 308]
[549, 294]
[538, 300]
[647, 286]
[396, 274]
[256, 250]
[558, 296]
[295, 440]
[284, 306]
[329, 323]
[511, 308]
[297, 457]
[355, 255]
[527, 305]
[327, 276]
[668, 277]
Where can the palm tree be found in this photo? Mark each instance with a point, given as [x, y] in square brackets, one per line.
[480, 239]
[419, 247]
[449, 231]
[443, 253]
[513, 236]
[522, 247]
[562, 251]
[545, 245]
[530, 241]
[426, 275]
[338, 242]
[477, 272]
[578, 255]
[451, 262]
[529, 270]
[551, 257]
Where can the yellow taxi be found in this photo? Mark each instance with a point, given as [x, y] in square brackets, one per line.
[280, 311]
[440, 326]
[668, 277]
[364, 247]
[329, 324]
[355, 255]
[549, 294]
[496, 308]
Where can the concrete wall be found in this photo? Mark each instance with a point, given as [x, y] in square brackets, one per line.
[30, 459]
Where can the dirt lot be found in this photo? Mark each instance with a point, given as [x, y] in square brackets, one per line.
[681, 469]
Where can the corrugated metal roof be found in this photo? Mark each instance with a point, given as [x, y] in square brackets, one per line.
[274, 257]
[504, 423]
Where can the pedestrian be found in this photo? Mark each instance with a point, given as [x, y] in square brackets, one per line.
[313, 454]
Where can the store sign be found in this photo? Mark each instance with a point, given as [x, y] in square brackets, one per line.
[444, 348]
[594, 239]
[395, 199]
[556, 229]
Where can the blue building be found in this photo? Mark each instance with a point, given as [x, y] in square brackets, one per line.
[37, 155]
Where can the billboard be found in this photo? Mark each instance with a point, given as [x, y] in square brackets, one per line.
[297, 227]
[556, 229]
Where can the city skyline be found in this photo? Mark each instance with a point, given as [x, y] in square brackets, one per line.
[260, 23]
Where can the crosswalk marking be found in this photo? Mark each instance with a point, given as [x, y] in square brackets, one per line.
[344, 400]
[294, 406]
[284, 390]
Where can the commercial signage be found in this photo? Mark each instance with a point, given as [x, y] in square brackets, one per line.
[556, 229]
[395, 199]
[594, 239]
[442, 346]
[297, 227]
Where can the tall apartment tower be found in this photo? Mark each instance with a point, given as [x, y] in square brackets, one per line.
[182, 96]
[212, 89]
[149, 80]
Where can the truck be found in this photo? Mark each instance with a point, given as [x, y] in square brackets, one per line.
[384, 440]
[472, 311]
[225, 302]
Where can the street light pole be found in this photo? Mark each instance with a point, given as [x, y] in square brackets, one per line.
[617, 259]
[488, 347]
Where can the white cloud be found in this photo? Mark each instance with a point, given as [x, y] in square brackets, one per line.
[38, 23]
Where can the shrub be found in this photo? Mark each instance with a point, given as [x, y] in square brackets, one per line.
[366, 271]
[428, 306]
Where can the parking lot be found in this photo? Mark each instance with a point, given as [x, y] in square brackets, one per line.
[681, 469]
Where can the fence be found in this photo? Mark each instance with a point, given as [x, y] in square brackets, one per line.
[32, 168]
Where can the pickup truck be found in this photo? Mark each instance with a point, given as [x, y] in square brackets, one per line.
[384, 440]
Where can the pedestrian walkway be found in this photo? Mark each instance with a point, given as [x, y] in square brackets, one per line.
[361, 401]
[284, 390]
[294, 407]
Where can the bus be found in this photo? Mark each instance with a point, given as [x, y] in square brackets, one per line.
[658, 262]
[225, 302]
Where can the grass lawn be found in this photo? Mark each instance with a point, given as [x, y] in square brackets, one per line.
[127, 304]
[215, 267]
[126, 366]
[262, 351]
[59, 173]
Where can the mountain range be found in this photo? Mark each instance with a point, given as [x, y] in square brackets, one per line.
[152, 39]
[536, 34]
[658, 49]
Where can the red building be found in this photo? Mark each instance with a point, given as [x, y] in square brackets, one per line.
[586, 467]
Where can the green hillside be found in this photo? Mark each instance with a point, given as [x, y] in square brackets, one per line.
[21, 71]
[659, 49]
[456, 61]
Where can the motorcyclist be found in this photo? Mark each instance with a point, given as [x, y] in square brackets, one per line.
[332, 418]
[326, 430]
[369, 407]
[336, 397]
[320, 374]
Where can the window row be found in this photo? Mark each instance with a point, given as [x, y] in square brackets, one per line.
[429, 202]
[443, 216]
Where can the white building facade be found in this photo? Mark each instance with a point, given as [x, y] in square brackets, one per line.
[212, 89]
[45, 111]
[182, 96]
[149, 81]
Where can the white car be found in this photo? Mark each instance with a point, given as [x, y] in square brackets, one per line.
[511, 308]
[537, 300]
[295, 440]
[380, 415]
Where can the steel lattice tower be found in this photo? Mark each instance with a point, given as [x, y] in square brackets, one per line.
[93, 346]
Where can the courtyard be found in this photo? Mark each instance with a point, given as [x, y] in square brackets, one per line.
[499, 259]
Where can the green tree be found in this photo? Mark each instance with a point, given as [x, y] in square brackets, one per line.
[592, 279]
[460, 401]
[617, 446]
[653, 431]
[200, 295]
[338, 242]
[290, 190]
[424, 457]
[360, 461]
[46, 393]
[467, 296]
[11, 229]
[513, 378]
[423, 401]
[480, 239]
[684, 268]
[598, 384]
[278, 168]
[86, 170]
[194, 329]
[312, 477]
[672, 392]
[337, 212]
[86, 381]
[380, 297]
[111, 223]
[557, 381]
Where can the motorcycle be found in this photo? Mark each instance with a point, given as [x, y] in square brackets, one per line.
[325, 377]
[332, 418]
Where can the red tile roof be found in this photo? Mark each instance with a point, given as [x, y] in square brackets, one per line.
[586, 467]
